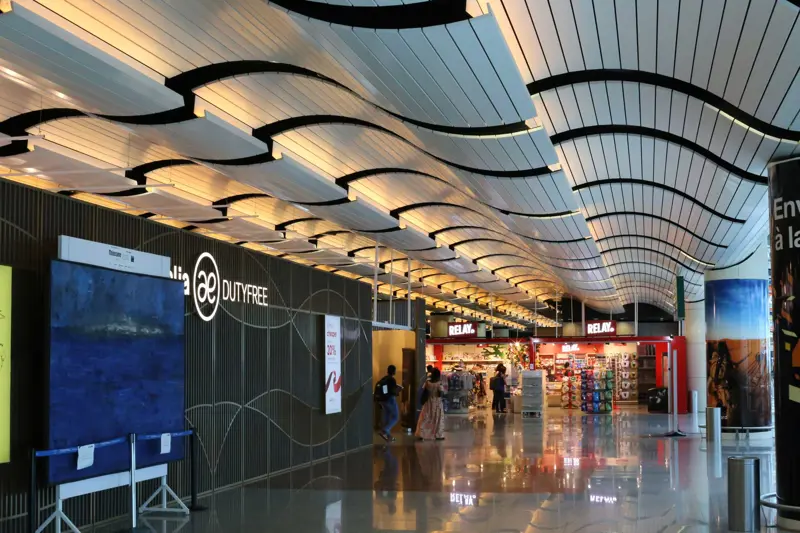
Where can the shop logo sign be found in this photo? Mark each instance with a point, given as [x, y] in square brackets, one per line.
[566, 348]
[601, 327]
[207, 288]
[463, 329]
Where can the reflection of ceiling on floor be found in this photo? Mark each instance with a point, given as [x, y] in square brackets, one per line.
[501, 156]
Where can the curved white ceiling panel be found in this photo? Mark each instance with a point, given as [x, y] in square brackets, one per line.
[513, 150]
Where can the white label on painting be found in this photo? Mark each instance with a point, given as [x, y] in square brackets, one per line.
[85, 456]
[333, 364]
[166, 443]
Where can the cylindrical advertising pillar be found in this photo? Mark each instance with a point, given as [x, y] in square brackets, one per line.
[784, 237]
[737, 326]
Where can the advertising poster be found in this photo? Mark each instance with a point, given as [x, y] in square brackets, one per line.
[736, 351]
[784, 206]
[333, 364]
[5, 364]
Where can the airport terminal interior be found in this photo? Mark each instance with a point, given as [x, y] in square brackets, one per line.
[496, 266]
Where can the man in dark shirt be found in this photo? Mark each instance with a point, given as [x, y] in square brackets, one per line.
[391, 414]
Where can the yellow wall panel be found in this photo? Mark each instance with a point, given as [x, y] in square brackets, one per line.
[5, 364]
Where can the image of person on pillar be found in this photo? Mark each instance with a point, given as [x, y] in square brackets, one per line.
[785, 323]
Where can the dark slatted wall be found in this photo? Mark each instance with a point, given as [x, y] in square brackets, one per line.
[254, 374]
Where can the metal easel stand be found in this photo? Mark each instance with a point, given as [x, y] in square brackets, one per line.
[59, 516]
[165, 492]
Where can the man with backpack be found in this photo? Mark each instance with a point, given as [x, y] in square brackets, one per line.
[386, 391]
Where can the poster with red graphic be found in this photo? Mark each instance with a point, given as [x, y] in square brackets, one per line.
[333, 364]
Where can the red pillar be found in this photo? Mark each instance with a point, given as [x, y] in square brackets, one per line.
[438, 354]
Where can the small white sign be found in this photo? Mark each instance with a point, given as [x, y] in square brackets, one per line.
[166, 443]
[85, 456]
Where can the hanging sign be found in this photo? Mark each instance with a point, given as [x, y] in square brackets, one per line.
[605, 328]
[462, 329]
[333, 364]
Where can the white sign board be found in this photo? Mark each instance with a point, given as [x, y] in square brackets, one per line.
[112, 257]
[333, 364]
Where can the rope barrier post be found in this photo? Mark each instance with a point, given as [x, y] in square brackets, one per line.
[33, 504]
[194, 468]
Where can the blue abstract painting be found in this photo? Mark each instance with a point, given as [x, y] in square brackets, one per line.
[116, 366]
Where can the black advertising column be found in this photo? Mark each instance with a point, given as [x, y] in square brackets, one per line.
[784, 217]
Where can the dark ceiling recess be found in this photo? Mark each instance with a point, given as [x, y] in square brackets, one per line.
[570, 311]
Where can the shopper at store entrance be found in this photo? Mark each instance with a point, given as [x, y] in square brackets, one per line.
[431, 420]
[386, 392]
[498, 386]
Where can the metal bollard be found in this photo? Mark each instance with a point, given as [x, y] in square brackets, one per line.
[693, 403]
[713, 424]
[744, 494]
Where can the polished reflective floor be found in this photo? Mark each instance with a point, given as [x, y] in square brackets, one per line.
[501, 474]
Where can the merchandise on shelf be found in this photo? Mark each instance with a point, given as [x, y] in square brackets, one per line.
[597, 389]
[553, 394]
[570, 390]
[458, 386]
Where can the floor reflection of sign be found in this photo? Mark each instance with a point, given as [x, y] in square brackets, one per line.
[464, 500]
[5, 364]
[599, 498]
[333, 517]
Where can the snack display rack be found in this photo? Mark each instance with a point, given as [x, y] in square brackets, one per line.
[597, 389]
[532, 394]
[625, 368]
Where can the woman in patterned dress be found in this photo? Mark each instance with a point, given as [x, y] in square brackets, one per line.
[431, 420]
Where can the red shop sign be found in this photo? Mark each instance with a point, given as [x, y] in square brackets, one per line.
[604, 328]
[462, 329]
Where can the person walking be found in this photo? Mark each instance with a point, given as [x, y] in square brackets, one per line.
[431, 420]
[499, 389]
[386, 392]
